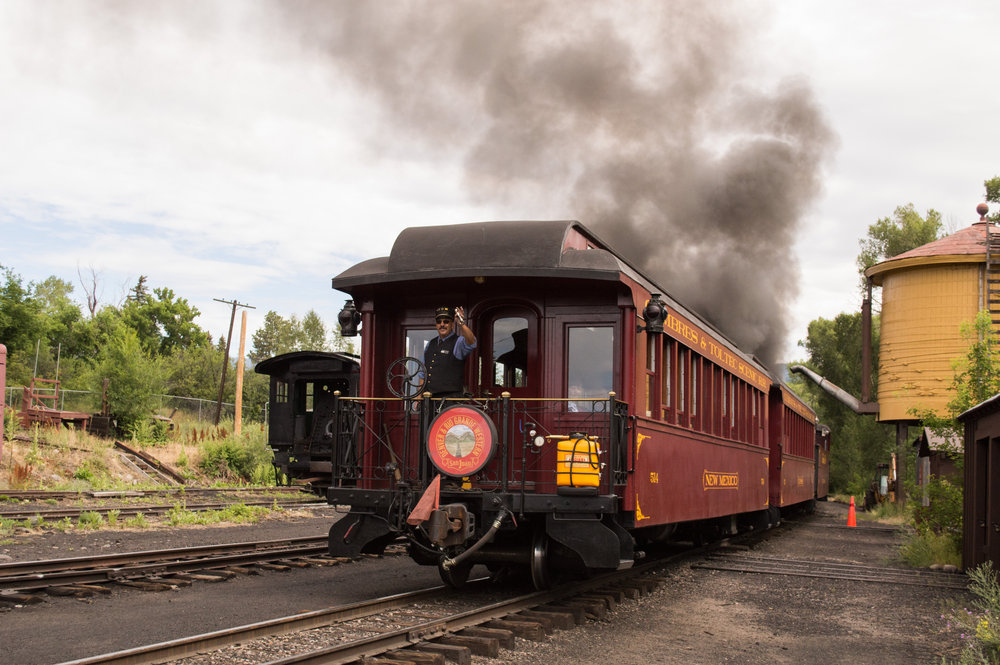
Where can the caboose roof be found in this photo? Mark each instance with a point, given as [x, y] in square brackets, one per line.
[521, 248]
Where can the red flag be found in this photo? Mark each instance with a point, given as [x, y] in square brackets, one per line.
[428, 502]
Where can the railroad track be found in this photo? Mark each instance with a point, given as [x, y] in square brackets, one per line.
[46, 495]
[125, 510]
[744, 563]
[157, 570]
[425, 626]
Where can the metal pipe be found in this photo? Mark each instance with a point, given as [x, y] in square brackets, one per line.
[866, 344]
[837, 392]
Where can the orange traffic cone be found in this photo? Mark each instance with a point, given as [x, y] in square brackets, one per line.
[850, 514]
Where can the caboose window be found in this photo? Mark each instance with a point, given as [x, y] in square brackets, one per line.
[416, 342]
[280, 392]
[510, 352]
[590, 365]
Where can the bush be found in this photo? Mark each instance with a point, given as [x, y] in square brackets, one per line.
[232, 458]
[926, 549]
[943, 517]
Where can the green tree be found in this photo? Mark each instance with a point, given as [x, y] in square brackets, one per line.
[993, 196]
[194, 372]
[162, 321]
[135, 377]
[277, 335]
[859, 442]
[312, 334]
[21, 325]
[891, 236]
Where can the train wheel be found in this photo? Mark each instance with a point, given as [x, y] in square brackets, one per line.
[455, 576]
[540, 576]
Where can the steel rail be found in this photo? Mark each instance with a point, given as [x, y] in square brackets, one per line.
[152, 509]
[833, 570]
[32, 575]
[351, 651]
[106, 494]
[189, 646]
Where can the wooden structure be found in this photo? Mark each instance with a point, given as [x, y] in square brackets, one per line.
[981, 512]
[38, 405]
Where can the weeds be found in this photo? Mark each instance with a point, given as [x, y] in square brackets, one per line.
[979, 628]
[237, 513]
[89, 519]
[927, 548]
[137, 521]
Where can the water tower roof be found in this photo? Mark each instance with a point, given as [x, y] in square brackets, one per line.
[965, 246]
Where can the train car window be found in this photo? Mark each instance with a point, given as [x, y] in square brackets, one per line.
[716, 400]
[668, 378]
[280, 392]
[725, 403]
[682, 367]
[695, 370]
[510, 352]
[732, 406]
[651, 345]
[590, 366]
[304, 396]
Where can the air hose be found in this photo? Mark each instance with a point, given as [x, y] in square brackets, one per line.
[447, 564]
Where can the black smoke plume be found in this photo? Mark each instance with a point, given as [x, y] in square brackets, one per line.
[638, 119]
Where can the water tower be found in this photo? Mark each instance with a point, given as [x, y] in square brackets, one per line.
[927, 294]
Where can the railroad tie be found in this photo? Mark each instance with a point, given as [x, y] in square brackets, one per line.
[481, 646]
[19, 598]
[455, 653]
[417, 657]
[578, 612]
[557, 620]
[529, 630]
[506, 637]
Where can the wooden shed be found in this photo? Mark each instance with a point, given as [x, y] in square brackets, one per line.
[981, 511]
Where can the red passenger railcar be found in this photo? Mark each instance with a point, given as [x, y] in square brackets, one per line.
[598, 413]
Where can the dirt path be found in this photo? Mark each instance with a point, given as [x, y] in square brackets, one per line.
[709, 617]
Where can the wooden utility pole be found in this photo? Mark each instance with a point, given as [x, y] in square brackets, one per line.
[238, 417]
[3, 392]
[225, 360]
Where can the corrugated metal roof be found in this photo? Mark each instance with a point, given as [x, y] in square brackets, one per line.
[965, 246]
[970, 240]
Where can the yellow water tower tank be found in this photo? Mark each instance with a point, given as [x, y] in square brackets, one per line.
[927, 294]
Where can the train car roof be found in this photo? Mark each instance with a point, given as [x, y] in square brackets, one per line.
[278, 365]
[560, 248]
[521, 248]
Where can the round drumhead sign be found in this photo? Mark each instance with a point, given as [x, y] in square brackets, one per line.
[461, 440]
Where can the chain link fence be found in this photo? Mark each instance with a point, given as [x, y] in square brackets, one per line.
[88, 401]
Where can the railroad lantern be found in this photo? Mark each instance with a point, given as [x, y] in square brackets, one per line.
[349, 318]
[655, 314]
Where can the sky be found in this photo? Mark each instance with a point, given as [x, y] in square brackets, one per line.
[252, 151]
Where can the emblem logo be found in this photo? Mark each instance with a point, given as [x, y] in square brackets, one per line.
[461, 441]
